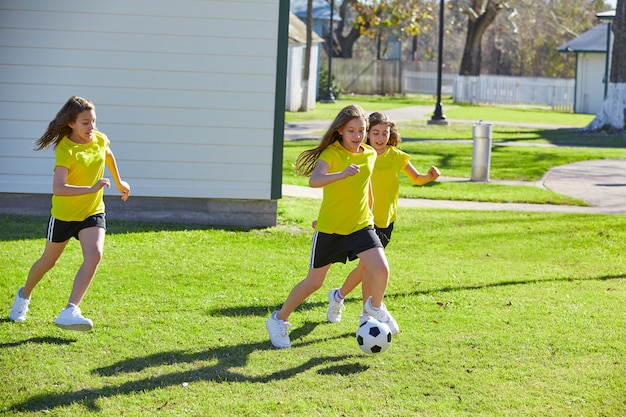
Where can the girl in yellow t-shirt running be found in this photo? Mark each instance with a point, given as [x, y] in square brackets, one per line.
[383, 137]
[77, 205]
[342, 164]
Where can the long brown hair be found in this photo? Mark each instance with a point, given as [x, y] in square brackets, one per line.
[378, 118]
[59, 127]
[305, 163]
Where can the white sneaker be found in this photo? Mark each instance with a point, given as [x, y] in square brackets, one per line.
[72, 319]
[279, 331]
[381, 315]
[20, 307]
[364, 318]
[334, 307]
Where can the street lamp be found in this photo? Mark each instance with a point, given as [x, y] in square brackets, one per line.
[329, 97]
[438, 118]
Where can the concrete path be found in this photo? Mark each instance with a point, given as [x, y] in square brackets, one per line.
[600, 183]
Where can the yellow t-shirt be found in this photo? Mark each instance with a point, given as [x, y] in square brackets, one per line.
[85, 163]
[345, 208]
[386, 183]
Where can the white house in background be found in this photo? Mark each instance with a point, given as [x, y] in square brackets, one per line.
[592, 65]
[320, 14]
[295, 65]
[190, 92]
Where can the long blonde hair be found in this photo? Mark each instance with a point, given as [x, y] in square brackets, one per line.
[59, 127]
[305, 163]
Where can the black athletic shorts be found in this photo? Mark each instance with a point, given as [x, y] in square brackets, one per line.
[384, 234]
[331, 248]
[60, 231]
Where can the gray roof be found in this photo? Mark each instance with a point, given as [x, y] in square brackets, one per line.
[593, 40]
[297, 31]
[610, 15]
[321, 9]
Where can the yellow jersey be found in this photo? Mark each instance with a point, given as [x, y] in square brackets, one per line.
[85, 164]
[345, 207]
[386, 184]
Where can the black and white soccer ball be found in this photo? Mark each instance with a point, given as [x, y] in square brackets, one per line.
[373, 336]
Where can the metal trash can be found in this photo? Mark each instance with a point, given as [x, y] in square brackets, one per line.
[624, 131]
[481, 154]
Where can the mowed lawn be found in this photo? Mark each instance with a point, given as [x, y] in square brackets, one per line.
[501, 314]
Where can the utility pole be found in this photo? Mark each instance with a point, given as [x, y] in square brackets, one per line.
[438, 118]
[329, 97]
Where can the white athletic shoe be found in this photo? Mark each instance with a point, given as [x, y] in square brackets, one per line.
[72, 319]
[364, 318]
[334, 307]
[20, 307]
[279, 331]
[381, 315]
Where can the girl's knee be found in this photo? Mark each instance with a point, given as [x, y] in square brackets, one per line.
[315, 279]
[47, 261]
[381, 273]
[314, 284]
[93, 257]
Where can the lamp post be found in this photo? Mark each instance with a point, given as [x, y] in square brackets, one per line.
[438, 117]
[329, 97]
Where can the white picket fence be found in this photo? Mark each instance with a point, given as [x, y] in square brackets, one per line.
[426, 82]
[556, 93]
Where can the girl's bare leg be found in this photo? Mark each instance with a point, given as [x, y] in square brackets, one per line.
[313, 282]
[377, 274]
[366, 287]
[51, 254]
[378, 269]
[92, 244]
[354, 278]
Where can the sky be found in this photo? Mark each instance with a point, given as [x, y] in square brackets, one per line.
[613, 3]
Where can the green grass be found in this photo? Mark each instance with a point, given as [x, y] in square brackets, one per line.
[517, 114]
[523, 163]
[511, 135]
[501, 314]
[369, 103]
[452, 111]
[533, 151]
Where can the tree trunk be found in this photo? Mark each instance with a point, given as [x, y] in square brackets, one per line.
[612, 113]
[304, 104]
[476, 27]
[345, 42]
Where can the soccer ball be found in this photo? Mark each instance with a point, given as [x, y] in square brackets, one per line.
[373, 336]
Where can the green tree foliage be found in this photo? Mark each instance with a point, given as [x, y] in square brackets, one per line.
[375, 19]
[517, 37]
[526, 44]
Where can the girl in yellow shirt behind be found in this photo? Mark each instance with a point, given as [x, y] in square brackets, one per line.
[384, 138]
[342, 164]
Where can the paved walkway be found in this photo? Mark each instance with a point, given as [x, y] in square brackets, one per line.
[600, 183]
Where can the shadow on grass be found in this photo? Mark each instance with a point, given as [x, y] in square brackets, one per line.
[43, 340]
[570, 137]
[262, 310]
[575, 138]
[221, 361]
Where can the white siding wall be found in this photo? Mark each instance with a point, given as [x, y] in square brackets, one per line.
[589, 82]
[295, 63]
[184, 89]
[295, 68]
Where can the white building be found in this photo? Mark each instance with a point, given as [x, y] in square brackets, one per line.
[190, 92]
[592, 65]
[295, 66]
